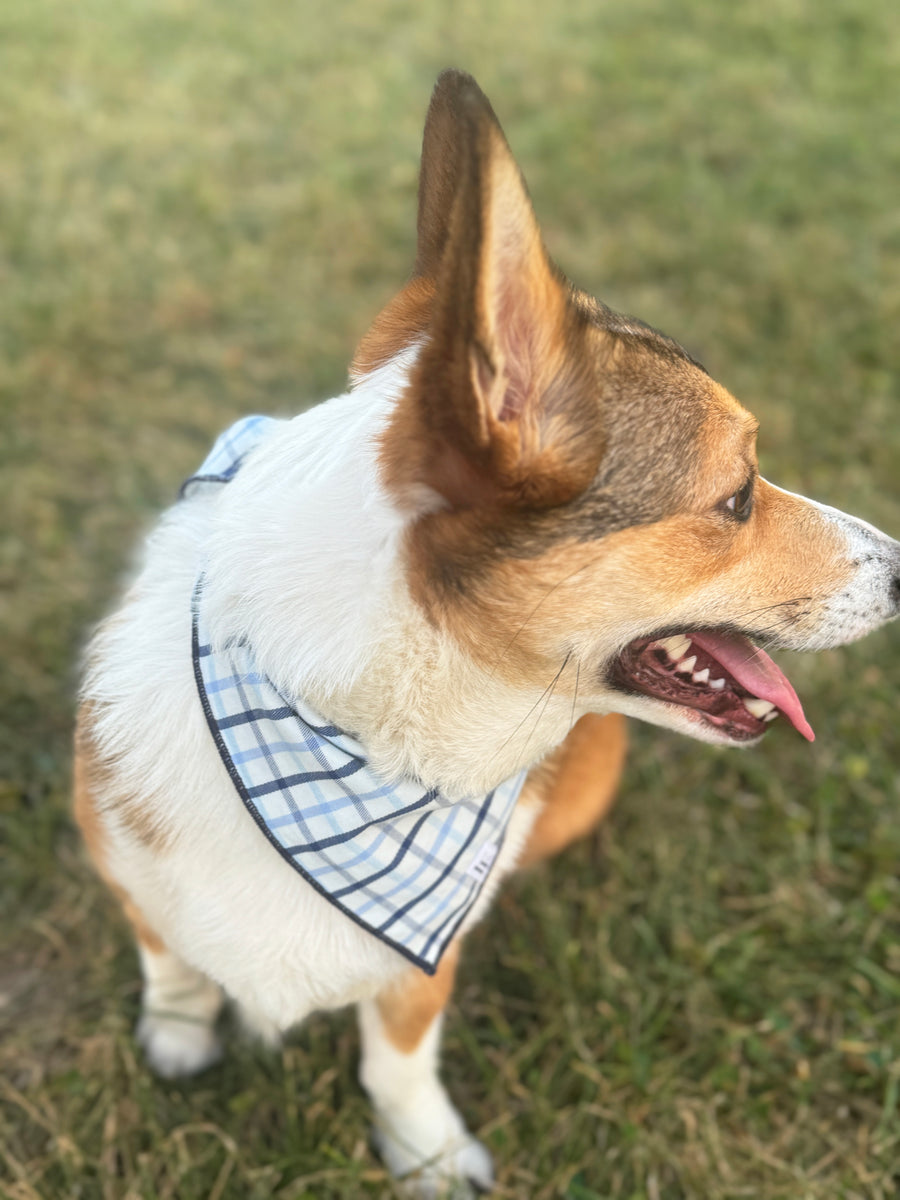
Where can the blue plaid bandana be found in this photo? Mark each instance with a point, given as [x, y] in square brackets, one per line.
[396, 857]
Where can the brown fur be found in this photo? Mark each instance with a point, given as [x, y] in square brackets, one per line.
[134, 810]
[575, 786]
[533, 415]
[783, 562]
[408, 1007]
[479, 424]
[89, 776]
[397, 326]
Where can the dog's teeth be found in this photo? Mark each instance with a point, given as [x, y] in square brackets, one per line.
[675, 646]
[702, 676]
[771, 716]
[718, 684]
[759, 708]
[687, 665]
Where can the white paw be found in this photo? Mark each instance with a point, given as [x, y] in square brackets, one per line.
[177, 1046]
[462, 1168]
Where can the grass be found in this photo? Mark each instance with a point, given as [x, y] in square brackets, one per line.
[201, 206]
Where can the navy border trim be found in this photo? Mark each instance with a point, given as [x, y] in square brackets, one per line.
[222, 477]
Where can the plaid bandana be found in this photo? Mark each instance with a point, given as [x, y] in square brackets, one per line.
[396, 857]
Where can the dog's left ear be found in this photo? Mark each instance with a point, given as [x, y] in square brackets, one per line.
[502, 407]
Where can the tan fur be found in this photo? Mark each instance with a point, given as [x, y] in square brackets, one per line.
[396, 327]
[87, 816]
[575, 786]
[88, 776]
[787, 560]
[409, 1006]
[106, 792]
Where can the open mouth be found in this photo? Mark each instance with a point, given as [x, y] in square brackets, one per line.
[731, 684]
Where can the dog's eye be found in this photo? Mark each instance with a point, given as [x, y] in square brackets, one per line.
[741, 503]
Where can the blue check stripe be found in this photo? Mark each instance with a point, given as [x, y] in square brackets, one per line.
[364, 884]
[395, 856]
[253, 715]
[281, 782]
[343, 836]
[418, 897]
[400, 889]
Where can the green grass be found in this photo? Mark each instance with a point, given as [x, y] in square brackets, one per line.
[201, 206]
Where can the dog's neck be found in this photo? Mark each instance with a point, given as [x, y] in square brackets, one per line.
[306, 562]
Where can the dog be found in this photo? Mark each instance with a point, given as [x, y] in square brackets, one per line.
[381, 655]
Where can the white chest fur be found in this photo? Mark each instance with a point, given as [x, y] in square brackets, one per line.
[301, 552]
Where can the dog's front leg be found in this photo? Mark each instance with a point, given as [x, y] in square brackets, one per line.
[420, 1134]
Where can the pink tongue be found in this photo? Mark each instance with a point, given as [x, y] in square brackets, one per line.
[754, 670]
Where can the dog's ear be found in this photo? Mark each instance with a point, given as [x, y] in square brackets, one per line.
[502, 405]
[454, 100]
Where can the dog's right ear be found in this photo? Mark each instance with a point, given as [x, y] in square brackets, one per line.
[455, 101]
[406, 316]
[502, 406]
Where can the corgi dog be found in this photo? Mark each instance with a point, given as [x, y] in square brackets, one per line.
[380, 655]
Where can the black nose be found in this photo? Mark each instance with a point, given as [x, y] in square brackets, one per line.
[895, 591]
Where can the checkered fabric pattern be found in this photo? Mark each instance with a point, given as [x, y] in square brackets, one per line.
[398, 858]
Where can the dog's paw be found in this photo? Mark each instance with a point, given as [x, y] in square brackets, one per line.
[176, 1045]
[462, 1169]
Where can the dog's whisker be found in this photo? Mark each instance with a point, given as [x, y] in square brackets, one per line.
[546, 693]
[575, 694]
[540, 715]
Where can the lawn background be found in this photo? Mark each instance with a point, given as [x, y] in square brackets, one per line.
[201, 207]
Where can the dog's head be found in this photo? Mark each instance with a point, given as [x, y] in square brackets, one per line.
[587, 512]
